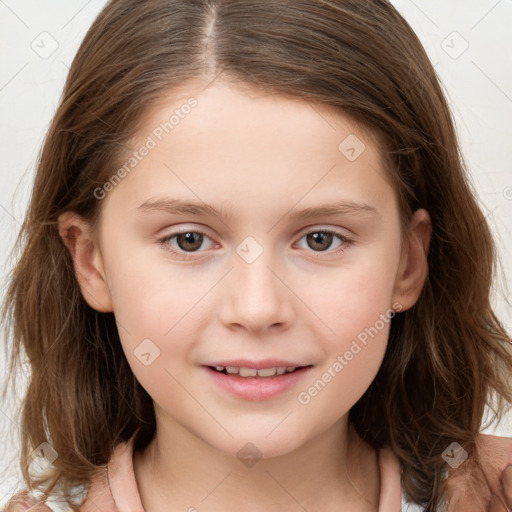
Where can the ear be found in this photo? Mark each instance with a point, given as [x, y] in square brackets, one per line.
[77, 235]
[413, 266]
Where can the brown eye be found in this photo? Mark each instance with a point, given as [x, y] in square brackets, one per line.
[322, 239]
[185, 242]
[189, 241]
[319, 240]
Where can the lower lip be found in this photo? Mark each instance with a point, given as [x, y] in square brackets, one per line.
[257, 388]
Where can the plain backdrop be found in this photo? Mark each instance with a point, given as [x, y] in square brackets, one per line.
[468, 41]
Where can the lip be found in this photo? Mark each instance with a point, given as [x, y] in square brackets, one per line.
[256, 388]
[263, 364]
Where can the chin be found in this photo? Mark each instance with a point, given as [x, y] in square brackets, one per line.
[257, 445]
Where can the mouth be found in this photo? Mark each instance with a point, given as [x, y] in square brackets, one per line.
[243, 371]
[252, 381]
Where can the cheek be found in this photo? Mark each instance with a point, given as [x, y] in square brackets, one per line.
[159, 311]
[354, 296]
[150, 306]
[355, 308]
[146, 292]
[358, 312]
[154, 332]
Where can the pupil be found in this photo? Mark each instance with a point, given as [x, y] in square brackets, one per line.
[189, 238]
[317, 239]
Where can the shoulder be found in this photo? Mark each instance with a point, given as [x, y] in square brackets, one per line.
[25, 501]
[392, 496]
[90, 498]
[470, 487]
[99, 495]
[112, 489]
[473, 486]
[116, 488]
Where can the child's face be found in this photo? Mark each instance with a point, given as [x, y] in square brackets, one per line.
[256, 287]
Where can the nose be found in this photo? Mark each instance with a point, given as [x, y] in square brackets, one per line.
[256, 297]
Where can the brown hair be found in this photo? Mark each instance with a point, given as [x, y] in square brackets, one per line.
[447, 356]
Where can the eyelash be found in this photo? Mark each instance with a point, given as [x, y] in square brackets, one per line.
[184, 255]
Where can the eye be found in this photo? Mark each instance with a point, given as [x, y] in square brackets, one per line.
[187, 241]
[321, 239]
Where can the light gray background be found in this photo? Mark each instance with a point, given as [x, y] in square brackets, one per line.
[468, 41]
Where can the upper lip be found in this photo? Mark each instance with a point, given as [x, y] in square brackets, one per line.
[264, 363]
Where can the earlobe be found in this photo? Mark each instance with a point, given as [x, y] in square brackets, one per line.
[76, 234]
[413, 267]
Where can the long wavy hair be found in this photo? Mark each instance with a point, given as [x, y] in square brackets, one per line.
[448, 357]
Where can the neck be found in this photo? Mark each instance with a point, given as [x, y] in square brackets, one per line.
[336, 470]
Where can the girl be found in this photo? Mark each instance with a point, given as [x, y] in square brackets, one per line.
[254, 273]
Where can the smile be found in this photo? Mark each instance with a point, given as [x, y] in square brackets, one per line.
[256, 384]
[255, 372]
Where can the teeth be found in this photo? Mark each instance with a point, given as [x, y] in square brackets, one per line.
[248, 372]
[267, 372]
[253, 372]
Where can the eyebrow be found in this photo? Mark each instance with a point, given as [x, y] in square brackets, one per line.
[176, 206]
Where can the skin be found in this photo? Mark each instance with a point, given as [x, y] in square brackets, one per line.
[471, 488]
[259, 156]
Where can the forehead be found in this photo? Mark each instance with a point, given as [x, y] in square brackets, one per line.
[223, 144]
